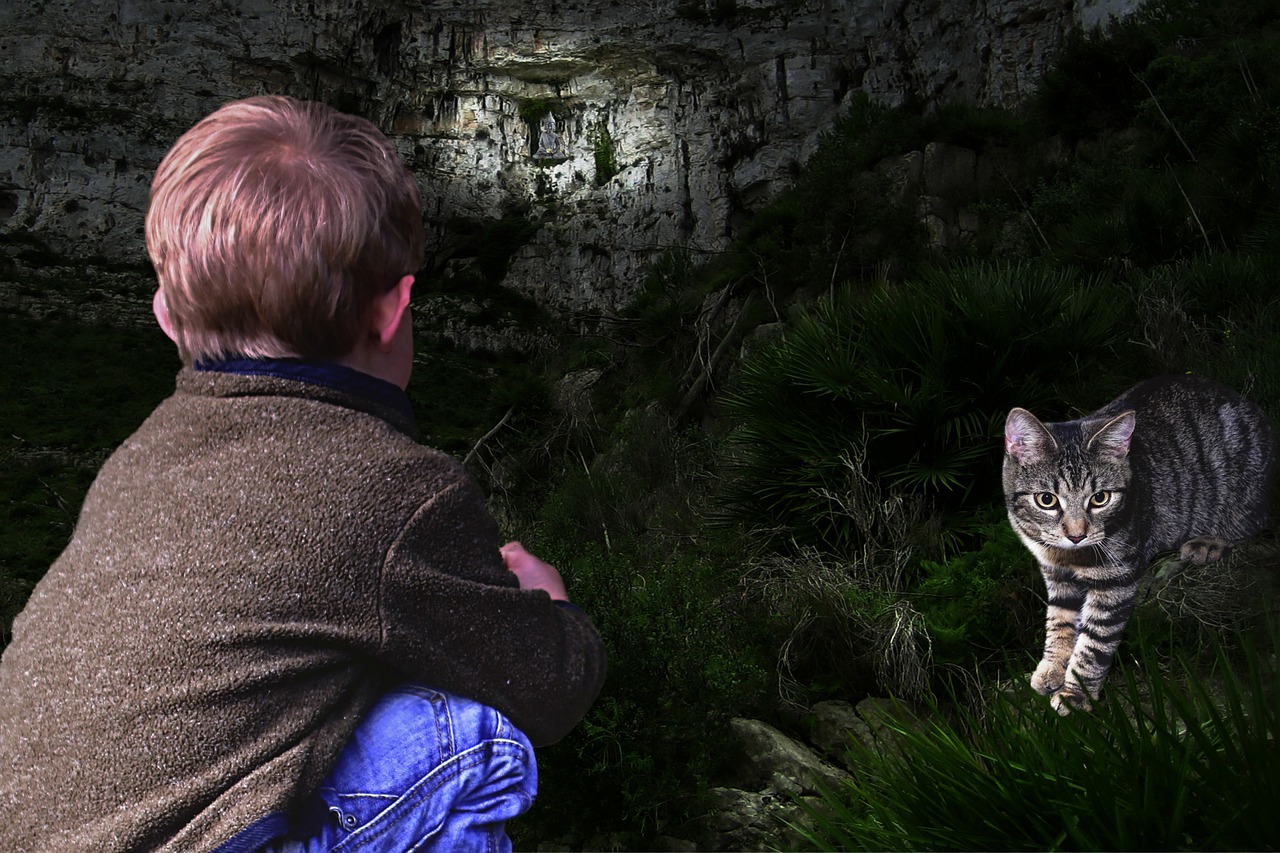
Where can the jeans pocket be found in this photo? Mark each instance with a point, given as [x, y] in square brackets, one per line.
[427, 770]
[462, 805]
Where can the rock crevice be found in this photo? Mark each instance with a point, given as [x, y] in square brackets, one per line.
[708, 108]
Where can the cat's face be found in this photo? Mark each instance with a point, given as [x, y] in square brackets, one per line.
[1065, 484]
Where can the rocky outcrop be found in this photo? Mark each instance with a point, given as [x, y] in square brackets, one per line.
[778, 778]
[675, 118]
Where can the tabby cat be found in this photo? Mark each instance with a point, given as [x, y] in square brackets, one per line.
[1174, 462]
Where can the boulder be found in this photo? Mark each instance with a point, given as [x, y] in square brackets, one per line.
[775, 762]
[751, 820]
[836, 724]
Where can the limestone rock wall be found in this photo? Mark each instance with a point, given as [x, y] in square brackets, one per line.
[676, 118]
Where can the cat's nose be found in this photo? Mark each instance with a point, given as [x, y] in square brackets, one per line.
[1075, 540]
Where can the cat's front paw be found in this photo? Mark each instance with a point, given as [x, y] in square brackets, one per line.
[1048, 677]
[1206, 549]
[1070, 698]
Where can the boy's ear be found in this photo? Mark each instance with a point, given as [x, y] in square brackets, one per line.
[161, 309]
[389, 310]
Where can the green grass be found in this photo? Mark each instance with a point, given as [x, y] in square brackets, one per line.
[1165, 763]
[982, 602]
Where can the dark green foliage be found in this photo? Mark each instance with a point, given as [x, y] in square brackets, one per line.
[1160, 765]
[534, 110]
[1179, 66]
[1239, 196]
[73, 391]
[1177, 105]
[1218, 315]
[1150, 220]
[680, 664]
[836, 200]
[64, 387]
[776, 250]
[670, 292]
[1091, 88]
[981, 603]
[846, 217]
[605, 153]
[927, 370]
[1222, 286]
[870, 132]
[458, 396]
[658, 329]
[684, 654]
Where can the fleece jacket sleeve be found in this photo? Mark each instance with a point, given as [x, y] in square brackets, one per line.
[454, 617]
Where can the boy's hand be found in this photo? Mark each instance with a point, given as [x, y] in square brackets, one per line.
[532, 572]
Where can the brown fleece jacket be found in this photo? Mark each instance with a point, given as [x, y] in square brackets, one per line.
[250, 570]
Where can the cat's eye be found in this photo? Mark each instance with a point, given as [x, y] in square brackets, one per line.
[1100, 499]
[1046, 500]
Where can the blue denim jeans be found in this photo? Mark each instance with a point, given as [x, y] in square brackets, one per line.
[425, 771]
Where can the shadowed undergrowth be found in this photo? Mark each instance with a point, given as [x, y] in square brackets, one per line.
[1172, 759]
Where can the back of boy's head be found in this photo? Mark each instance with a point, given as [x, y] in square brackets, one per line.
[273, 224]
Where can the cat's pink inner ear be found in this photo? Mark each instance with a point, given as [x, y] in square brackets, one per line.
[1024, 436]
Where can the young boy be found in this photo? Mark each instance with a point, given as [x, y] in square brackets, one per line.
[282, 624]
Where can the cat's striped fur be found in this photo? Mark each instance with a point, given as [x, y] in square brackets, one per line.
[1176, 462]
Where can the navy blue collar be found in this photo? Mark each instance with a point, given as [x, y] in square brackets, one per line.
[328, 374]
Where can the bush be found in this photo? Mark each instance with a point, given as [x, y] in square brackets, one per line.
[682, 660]
[1091, 87]
[604, 151]
[927, 371]
[1177, 102]
[1217, 315]
[979, 604]
[685, 652]
[848, 628]
[459, 395]
[1157, 766]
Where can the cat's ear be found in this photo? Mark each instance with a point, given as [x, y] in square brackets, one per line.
[1114, 436]
[1025, 438]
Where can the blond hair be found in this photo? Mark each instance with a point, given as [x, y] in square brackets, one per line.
[273, 224]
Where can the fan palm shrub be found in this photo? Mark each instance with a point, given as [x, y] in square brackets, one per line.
[927, 370]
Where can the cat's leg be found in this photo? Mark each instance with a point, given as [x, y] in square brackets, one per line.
[1103, 618]
[1204, 549]
[1066, 596]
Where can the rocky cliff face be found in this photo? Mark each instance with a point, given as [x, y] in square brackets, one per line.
[673, 119]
